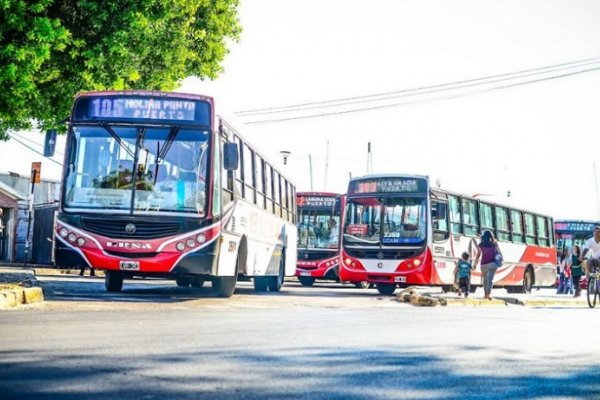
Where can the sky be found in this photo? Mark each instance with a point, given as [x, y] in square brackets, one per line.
[538, 141]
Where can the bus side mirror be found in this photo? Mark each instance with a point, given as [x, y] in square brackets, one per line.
[50, 143]
[439, 211]
[231, 156]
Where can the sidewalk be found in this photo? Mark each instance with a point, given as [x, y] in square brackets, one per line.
[19, 286]
[537, 298]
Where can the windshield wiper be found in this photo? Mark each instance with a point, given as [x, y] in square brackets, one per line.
[118, 139]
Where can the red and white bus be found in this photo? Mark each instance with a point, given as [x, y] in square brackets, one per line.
[318, 236]
[399, 231]
[157, 185]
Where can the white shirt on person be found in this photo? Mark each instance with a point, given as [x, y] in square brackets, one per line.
[593, 248]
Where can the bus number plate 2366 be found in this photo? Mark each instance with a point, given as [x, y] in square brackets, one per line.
[130, 266]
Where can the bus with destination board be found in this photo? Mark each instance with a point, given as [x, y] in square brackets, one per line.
[156, 184]
[318, 236]
[398, 231]
[571, 232]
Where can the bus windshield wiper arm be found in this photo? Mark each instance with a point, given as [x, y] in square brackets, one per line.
[168, 142]
[118, 139]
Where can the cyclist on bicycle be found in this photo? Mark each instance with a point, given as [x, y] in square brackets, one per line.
[592, 246]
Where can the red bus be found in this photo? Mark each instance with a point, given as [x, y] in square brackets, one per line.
[399, 231]
[318, 236]
[158, 185]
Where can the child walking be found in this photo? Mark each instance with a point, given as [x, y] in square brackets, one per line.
[463, 273]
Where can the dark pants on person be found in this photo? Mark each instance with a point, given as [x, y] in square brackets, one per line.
[464, 284]
[576, 279]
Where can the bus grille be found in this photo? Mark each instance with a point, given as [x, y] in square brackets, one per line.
[387, 254]
[115, 228]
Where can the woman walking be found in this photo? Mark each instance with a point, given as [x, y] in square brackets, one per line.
[487, 250]
[576, 269]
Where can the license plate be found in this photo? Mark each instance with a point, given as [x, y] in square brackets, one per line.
[130, 265]
[304, 273]
[399, 279]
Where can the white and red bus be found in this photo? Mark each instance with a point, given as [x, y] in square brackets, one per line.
[158, 185]
[399, 231]
[318, 236]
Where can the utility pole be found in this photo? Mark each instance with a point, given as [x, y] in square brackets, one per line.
[36, 172]
[310, 171]
[326, 166]
[369, 159]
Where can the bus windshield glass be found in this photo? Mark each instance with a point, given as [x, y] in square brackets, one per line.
[318, 229]
[385, 221]
[137, 169]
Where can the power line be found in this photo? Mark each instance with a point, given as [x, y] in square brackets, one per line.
[12, 135]
[393, 94]
[458, 95]
[34, 150]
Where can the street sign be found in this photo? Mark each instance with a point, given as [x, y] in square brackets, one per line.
[36, 172]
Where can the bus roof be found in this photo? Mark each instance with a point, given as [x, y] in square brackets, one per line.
[321, 194]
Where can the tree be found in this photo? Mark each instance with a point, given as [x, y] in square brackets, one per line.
[52, 49]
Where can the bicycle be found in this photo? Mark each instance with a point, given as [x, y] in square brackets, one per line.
[593, 289]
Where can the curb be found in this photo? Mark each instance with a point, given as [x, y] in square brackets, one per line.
[478, 302]
[11, 298]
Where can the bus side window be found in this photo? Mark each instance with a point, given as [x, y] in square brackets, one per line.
[239, 173]
[454, 214]
[487, 216]
[530, 237]
[516, 223]
[470, 217]
[502, 224]
[249, 191]
[542, 231]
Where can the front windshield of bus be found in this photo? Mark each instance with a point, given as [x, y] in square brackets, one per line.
[318, 229]
[386, 221]
[169, 175]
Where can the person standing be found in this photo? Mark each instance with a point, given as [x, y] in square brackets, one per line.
[591, 246]
[487, 250]
[576, 269]
[562, 266]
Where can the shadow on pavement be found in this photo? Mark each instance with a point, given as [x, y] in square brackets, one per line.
[322, 373]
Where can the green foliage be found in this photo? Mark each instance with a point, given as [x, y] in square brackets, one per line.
[52, 49]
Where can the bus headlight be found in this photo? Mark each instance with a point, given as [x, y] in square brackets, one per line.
[180, 246]
[72, 238]
[201, 238]
[63, 232]
[417, 263]
[190, 242]
[81, 242]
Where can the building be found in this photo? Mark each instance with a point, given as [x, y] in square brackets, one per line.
[27, 236]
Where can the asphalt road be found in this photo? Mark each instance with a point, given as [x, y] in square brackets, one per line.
[156, 341]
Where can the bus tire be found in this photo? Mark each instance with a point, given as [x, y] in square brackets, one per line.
[224, 286]
[261, 283]
[113, 281]
[306, 280]
[183, 281]
[276, 282]
[386, 289]
[528, 280]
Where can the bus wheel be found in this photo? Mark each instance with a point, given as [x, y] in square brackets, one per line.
[276, 282]
[183, 282]
[306, 280]
[224, 286]
[197, 282]
[261, 283]
[113, 281]
[386, 289]
[528, 280]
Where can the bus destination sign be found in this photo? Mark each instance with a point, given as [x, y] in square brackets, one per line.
[315, 201]
[576, 226]
[388, 185]
[142, 108]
